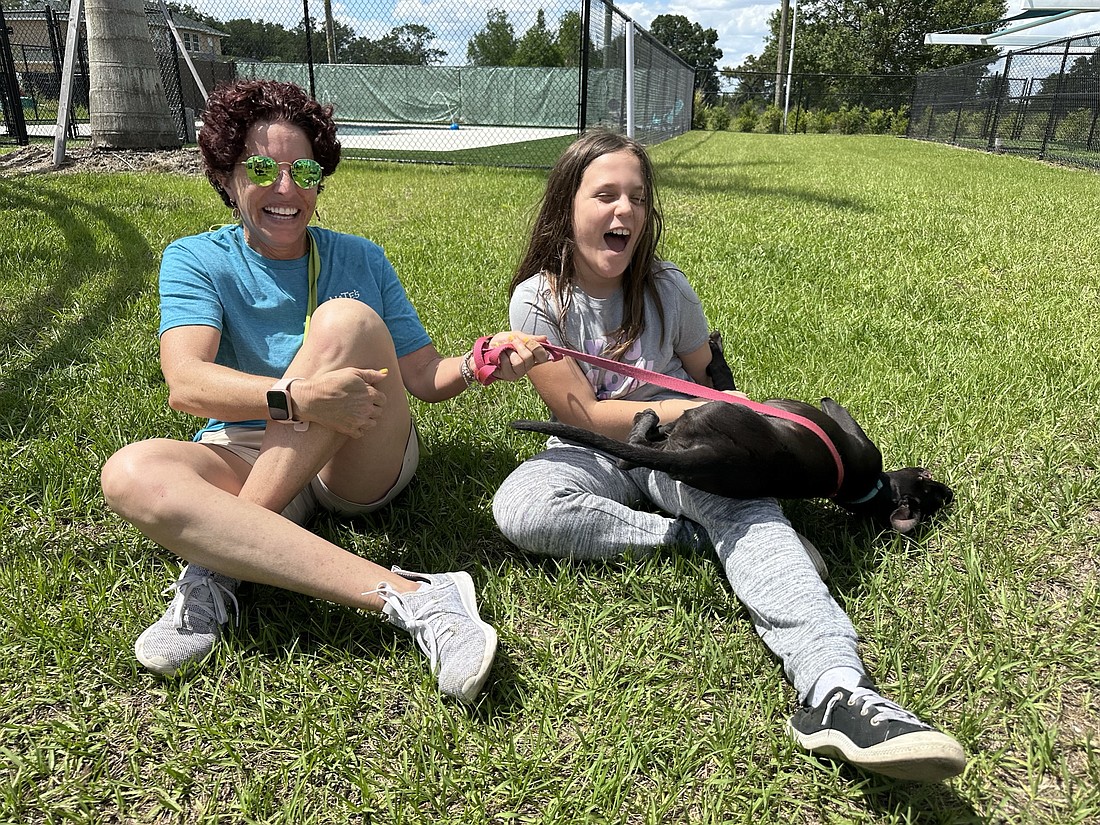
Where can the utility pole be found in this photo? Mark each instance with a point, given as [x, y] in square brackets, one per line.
[330, 32]
[780, 52]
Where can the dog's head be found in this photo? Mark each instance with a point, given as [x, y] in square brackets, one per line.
[914, 497]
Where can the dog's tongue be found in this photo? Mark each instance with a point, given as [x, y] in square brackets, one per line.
[616, 243]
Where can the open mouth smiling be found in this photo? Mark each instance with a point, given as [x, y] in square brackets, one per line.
[617, 239]
[281, 211]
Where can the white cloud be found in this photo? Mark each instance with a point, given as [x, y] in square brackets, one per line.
[741, 25]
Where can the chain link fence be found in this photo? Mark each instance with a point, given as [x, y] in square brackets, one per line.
[1042, 101]
[456, 84]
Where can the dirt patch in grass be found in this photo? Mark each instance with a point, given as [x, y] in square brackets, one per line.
[38, 159]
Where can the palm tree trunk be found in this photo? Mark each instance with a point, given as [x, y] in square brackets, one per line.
[128, 107]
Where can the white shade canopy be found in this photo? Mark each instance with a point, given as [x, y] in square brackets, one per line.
[1004, 32]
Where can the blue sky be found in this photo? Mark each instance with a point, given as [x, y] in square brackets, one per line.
[741, 24]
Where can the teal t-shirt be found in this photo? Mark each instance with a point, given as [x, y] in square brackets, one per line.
[259, 305]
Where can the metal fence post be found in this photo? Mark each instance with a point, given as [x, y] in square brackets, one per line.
[582, 67]
[309, 48]
[629, 79]
[1092, 129]
[14, 110]
[958, 120]
[1000, 84]
[1052, 113]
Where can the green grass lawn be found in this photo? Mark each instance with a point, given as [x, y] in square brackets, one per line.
[948, 298]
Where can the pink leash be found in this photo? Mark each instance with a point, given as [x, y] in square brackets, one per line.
[486, 361]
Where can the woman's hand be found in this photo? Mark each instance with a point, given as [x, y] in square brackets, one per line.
[346, 400]
[525, 352]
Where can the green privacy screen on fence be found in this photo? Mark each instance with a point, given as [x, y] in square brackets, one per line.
[488, 96]
[474, 95]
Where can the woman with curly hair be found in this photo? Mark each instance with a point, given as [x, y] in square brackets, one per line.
[298, 345]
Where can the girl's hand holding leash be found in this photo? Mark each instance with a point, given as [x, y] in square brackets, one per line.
[506, 356]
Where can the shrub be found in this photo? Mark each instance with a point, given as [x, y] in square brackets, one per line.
[746, 118]
[819, 121]
[899, 123]
[770, 120]
[718, 118]
[699, 112]
[1074, 127]
[878, 122]
[850, 121]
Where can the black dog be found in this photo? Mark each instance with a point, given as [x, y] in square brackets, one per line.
[730, 450]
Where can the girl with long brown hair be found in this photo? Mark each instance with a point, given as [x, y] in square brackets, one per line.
[591, 280]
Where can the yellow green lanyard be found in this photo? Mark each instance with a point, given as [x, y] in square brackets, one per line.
[314, 270]
[314, 276]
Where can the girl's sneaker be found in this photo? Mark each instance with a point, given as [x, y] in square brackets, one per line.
[870, 732]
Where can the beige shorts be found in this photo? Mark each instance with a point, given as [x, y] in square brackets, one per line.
[245, 442]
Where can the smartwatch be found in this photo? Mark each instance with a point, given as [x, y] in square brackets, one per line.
[280, 407]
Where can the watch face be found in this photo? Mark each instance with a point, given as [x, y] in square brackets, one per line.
[278, 405]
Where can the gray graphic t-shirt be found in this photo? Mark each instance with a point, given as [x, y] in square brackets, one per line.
[589, 323]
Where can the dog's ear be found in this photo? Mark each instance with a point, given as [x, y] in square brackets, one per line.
[905, 518]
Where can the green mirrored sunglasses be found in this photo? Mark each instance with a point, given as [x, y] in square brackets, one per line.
[264, 171]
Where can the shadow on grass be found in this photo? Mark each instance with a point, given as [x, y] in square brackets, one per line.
[71, 322]
[911, 802]
[701, 178]
[679, 169]
[441, 522]
[853, 546]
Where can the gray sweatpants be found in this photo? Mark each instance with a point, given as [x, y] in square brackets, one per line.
[574, 502]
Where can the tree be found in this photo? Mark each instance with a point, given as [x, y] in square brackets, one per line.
[1077, 83]
[406, 45]
[569, 38]
[691, 43]
[187, 10]
[258, 40]
[295, 49]
[128, 106]
[537, 47]
[495, 45]
[876, 37]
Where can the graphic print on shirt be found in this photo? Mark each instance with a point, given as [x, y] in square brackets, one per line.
[607, 384]
[351, 293]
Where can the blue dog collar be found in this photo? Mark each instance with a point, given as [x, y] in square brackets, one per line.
[874, 492]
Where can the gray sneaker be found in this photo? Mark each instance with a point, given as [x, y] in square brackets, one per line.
[192, 623]
[442, 617]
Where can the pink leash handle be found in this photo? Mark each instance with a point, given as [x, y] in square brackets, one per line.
[486, 361]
